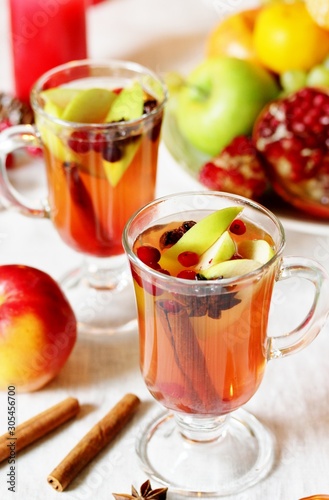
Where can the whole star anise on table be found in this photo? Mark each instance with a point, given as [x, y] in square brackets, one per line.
[146, 493]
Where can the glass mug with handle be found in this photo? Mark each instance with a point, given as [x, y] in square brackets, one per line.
[204, 266]
[99, 124]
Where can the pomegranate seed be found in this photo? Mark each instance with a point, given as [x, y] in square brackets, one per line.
[188, 259]
[149, 255]
[238, 227]
[231, 169]
[187, 274]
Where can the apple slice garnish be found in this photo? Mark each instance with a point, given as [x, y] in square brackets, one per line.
[115, 170]
[89, 106]
[200, 237]
[230, 269]
[223, 249]
[259, 250]
[128, 105]
[57, 99]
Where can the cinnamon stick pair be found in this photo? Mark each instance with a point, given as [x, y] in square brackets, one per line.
[89, 446]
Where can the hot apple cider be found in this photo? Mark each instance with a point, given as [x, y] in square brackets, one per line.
[103, 168]
[203, 345]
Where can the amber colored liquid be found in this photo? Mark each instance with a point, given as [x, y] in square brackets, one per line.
[87, 210]
[203, 352]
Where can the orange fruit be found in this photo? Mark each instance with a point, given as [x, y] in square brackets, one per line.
[233, 36]
[286, 37]
[319, 11]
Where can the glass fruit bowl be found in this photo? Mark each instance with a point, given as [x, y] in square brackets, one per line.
[191, 160]
[186, 155]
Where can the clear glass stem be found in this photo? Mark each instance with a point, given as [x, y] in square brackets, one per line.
[201, 429]
[101, 294]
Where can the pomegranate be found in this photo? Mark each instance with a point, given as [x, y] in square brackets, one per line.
[292, 133]
[237, 169]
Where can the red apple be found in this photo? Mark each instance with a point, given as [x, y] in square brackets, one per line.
[38, 328]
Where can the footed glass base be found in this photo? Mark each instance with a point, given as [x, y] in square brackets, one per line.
[239, 455]
[102, 296]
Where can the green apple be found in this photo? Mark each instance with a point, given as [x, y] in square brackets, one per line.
[259, 250]
[128, 105]
[202, 235]
[221, 100]
[223, 249]
[89, 106]
[230, 269]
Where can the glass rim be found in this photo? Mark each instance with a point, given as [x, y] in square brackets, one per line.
[204, 283]
[101, 63]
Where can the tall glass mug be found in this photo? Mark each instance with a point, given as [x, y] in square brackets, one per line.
[203, 341]
[101, 163]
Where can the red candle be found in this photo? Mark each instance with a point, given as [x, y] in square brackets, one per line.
[45, 33]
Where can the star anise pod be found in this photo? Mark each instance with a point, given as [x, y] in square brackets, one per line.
[146, 493]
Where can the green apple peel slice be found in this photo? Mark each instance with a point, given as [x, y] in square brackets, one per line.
[259, 250]
[58, 98]
[223, 249]
[115, 170]
[89, 106]
[128, 105]
[202, 235]
[230, 269]
[54, 144]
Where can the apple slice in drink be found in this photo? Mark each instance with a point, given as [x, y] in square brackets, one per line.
[114, 170]
[89, 106]
[129, 105]
[230, 269]
[259, 250]
[200, 237]
[223, 249]
[56, 99]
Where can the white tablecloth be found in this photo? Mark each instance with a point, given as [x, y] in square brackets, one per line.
[293, 399]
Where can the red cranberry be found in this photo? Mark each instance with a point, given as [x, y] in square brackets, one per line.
[112, 152]
[99, 143]
[163, 271]
[188, 259]
[238, 227]
[79, 141]
[187, 274]
[148, 254]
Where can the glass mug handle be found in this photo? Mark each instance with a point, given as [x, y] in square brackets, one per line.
[19, 136]
[308, 329]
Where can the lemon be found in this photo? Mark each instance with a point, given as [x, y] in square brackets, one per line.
[319, 11]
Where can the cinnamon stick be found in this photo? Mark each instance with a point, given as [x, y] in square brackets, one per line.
[93, 442]
[189, 356]
[38, 426]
